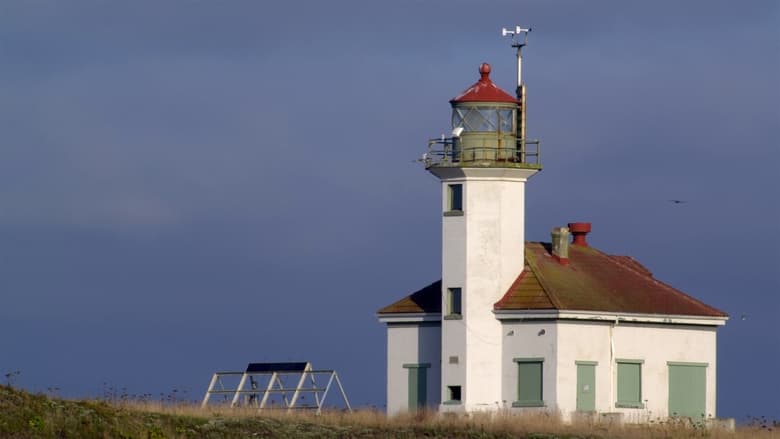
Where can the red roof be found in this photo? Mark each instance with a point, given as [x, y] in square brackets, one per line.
[484, 90]
[592, 281]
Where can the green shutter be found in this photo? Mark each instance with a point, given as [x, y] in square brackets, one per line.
[418, 384]
[687, 390]
[629, 386]
[529, 383]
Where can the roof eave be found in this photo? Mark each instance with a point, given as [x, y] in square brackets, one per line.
[606, 316]
[499, 100]
[408, 317]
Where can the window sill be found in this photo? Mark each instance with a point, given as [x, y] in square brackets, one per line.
[452, 402]
[453, 317]
[528, 404]
[453, 213]
[629, 405]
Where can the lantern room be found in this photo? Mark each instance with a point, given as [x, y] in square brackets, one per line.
[487, 129]
[485, 118]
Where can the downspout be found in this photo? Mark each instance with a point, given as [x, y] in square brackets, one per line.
[612, 364]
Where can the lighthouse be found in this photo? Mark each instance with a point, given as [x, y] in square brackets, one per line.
[483, 171]
[560, 326]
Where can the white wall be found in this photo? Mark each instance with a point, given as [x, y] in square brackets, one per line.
[453, 343]
[529, 340]
[412, 343]
[584, 341]
[493, 251]
[655, 344]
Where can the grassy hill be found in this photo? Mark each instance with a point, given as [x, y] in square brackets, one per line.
[24, 415]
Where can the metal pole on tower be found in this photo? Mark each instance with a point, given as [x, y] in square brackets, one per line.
[520, 90]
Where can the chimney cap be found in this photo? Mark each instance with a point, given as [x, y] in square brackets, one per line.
[579, 230]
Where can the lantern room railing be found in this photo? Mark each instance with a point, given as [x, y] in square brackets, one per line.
[448, 152]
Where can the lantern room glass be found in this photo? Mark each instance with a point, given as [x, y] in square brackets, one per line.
[484, 119]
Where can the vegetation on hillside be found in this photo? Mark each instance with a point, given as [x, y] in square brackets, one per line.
[23, 415]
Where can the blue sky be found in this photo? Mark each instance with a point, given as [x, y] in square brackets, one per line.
[189, 186]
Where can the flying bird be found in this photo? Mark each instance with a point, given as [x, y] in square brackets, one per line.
[677, 201]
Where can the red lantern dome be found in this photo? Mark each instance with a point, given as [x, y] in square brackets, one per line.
[484, 90]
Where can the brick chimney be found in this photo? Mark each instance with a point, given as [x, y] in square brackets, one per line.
[579, 230]
[560, 244]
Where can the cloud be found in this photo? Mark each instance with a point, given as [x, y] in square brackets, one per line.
[264, 155]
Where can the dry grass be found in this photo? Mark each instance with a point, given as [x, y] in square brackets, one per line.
[25, 415]
[503, 424]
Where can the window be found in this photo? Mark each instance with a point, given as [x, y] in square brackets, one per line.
[485, 119]
[453, 395]
[453, 306]
[529, 382]
[507, 118]
[629, 384]
[475, 119]
[455, 197]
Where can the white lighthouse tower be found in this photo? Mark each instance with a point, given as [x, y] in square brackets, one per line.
[483, 170]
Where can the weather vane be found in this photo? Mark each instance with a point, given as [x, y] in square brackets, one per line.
[517, 32]
[518, 44]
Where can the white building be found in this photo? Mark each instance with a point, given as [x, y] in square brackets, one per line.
[521, 325]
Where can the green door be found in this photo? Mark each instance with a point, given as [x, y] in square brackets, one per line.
[418, 385]
[687, 390]
[586, 386]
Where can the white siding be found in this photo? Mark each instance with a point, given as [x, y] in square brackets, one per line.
[412, 343]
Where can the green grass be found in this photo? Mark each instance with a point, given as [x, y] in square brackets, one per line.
[24, 415]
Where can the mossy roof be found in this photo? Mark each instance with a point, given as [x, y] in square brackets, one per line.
[424, 300]
[591, 281]
[595, 281]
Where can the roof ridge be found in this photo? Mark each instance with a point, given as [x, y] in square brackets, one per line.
[636, 267]
[547, 290]
[631, 263]
[656, 281]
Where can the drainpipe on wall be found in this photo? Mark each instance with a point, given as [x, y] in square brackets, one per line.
[612, 376]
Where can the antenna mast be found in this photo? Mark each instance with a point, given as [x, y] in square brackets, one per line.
[520, 90]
